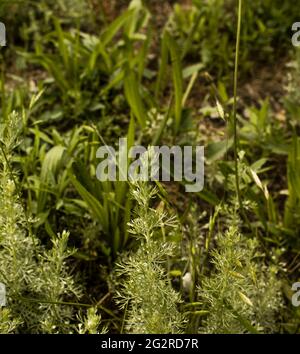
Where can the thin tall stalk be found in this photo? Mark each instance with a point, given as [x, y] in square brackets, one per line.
[235, 133]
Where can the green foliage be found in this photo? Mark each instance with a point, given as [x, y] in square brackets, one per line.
[91, 324]
[292, 98]
[79, 64]
[37, 279]
[243, 294]
[8, 324]
[80, 75]
[291, 217]
[149, 301]
[266, 23]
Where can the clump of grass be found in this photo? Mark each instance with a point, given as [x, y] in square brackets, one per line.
[146, 295]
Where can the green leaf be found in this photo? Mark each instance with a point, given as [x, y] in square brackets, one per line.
[51, 164]
[177, 78]
[160, 82]
[114, 27]
[215, 151]
[61, 43]
[220, 110]
[95, 207]
[132, 93]
[191, 70]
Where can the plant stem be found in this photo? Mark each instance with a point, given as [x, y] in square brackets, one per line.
[235, 133]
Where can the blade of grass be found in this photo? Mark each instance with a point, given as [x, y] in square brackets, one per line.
[177, 79]
[114, 27]
[235, 133]
[134, 98]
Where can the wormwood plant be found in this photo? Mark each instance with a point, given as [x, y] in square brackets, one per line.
[91, 323]
[243, 295]
[149, 301]
[37, 279]
[7, 323]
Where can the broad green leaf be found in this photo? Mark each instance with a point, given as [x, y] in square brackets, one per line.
[51, 164]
